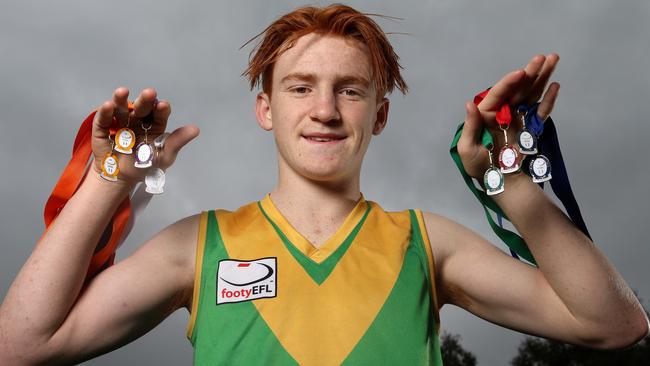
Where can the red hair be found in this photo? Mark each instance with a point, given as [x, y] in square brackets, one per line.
[335, 19]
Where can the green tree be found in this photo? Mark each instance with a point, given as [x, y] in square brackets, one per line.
[544, 352]
[534, 351]
[453, 354]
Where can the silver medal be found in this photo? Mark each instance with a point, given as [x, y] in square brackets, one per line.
[143, 155]
[144, 150]
[508, 155]
[527, 142]
[508, 160]
[493, 181]
[540, 169]
[155, 181]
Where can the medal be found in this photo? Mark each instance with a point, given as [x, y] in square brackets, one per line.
[155, 181]
[526, 140]
[493, 179]
[144, 151]
[508, 156]
[125, 139]
[540, 169]
[110, 167]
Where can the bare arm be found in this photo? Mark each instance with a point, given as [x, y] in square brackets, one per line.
[45, 296]
[120, 304]
[575, 294]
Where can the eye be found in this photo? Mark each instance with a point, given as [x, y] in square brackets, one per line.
[300, 90]
[350, 92]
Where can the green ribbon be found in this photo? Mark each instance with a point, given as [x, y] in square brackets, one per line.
[512, 240]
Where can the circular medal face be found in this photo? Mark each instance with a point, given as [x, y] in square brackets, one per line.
[508, 160]
[124, 141]
[527, 142]
[540, 169]
[110, 168]
[155, 181]
[143, 155]
[493, 181]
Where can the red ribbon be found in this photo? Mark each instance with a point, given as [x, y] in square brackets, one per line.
[503, 114]
[69, 182]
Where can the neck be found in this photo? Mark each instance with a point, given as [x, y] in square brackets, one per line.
[303, 193]
[301, 199]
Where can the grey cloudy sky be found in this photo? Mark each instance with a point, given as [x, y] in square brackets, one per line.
[61, 59]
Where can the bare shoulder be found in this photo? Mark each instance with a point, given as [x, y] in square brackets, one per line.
[450, 241]
[177, 244]
[443, 234]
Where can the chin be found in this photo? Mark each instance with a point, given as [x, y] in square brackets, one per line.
[324, 172]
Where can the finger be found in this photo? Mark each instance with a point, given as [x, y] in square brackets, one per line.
[161, 113]
[175, 142]
[103, 120]
[547, 103]
[532, 71]
[121, 101]
[143, 105]
[471, 130]
[540, 84]
[502, 91]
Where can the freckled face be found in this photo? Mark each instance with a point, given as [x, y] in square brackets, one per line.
[324, 109]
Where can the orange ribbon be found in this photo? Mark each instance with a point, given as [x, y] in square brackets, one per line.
[69, 182]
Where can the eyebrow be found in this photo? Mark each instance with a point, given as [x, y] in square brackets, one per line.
[348, 79]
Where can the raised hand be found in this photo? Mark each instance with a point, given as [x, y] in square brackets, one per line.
[520, 86]
[155, 112]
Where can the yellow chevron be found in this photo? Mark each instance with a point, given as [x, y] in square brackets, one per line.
[313, 327]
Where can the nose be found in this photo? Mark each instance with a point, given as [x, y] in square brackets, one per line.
[325, 109]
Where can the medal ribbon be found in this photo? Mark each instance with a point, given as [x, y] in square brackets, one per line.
[69, 182]
[560, 182]
[549, 146]
[512, 240]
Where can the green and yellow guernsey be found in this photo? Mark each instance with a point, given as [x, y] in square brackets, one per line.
[264, 295]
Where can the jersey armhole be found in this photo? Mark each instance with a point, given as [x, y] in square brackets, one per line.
[431, 265]
[198, 266]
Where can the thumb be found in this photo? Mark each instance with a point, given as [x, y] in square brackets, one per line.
[472, 128]
[175, 142]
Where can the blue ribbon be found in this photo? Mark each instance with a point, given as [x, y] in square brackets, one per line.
[500, 221]
[532, 121]
[549, 146]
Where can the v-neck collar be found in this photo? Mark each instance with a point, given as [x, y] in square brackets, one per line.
[330, 246]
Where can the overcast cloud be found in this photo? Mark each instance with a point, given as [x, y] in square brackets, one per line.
[61, 59]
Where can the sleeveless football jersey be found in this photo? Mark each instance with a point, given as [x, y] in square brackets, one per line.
[264, 295]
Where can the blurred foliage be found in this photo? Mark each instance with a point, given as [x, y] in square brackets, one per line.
[544, 352]
[453, 354]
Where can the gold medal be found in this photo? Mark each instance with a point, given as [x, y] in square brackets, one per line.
[124, 140]
[110, 167]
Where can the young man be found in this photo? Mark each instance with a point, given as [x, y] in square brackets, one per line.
[313, 273]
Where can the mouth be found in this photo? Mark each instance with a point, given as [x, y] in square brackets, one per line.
[318, 138]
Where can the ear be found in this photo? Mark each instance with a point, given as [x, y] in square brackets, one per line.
[382, 116]
[263, 111]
